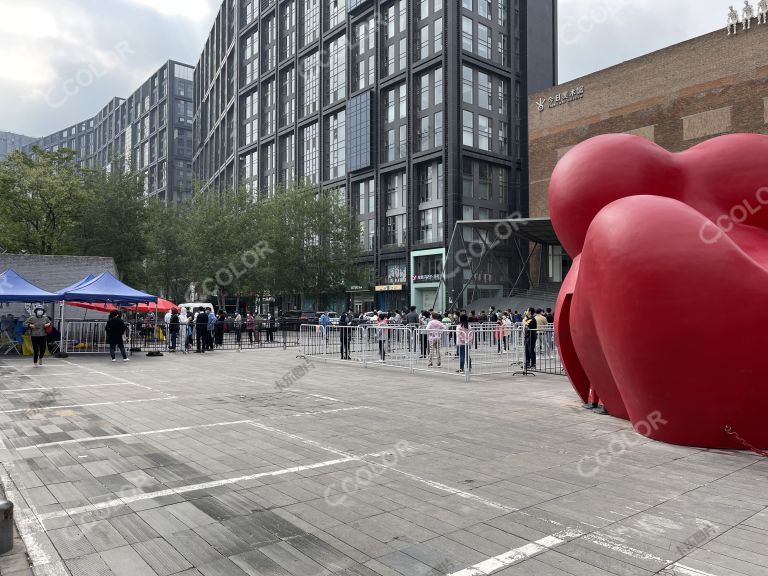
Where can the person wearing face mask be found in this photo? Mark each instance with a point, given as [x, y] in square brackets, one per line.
[37, 326]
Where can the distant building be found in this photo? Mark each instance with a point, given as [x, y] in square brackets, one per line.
[677, 97]
[149, 132]
[10, 142]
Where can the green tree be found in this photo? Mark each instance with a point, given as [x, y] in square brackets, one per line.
[41, 198]
[314, 239]
[114, 222]
[168, 239]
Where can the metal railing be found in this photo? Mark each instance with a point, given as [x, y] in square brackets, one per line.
[491, 349]
[222, 335]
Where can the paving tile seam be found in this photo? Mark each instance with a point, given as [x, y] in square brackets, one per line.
[115, 403]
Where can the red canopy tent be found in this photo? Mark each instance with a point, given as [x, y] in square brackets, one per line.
[162, 306]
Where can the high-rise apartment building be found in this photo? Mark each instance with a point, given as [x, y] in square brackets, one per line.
[149, 132]
[413, 109]
[10, 142]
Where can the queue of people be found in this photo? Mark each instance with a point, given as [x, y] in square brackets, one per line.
[440, 332]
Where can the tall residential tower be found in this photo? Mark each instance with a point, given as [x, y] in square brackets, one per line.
[149, 132]
[413, 109]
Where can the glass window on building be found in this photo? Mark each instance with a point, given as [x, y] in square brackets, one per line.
[337, 12]
[468, 133]
[310, 154]
[337, 69]
[484, 132]
[468, 85]
[484, 41]
[336, 161]
[288, 29]
[310, 66]
[311, 21]
[467, 34]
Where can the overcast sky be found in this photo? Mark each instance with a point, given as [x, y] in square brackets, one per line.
[62, 60]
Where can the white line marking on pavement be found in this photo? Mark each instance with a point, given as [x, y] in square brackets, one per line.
[17, 410]
[324, 397]
[65, 387]
[598, 539]
[519, 554]
[332, 411]
[185, 489]
[29, 528]
[685, 570]
[178, 429]
[431, 483]
[618, 546]
[132, 434]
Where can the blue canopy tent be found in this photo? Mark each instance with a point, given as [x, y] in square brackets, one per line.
[13, 288]
[107, 288]
[77, 284]
[104, 288]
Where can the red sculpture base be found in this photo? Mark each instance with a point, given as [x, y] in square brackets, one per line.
[664, 311]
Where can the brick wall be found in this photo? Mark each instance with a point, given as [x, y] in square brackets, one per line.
[677, 97]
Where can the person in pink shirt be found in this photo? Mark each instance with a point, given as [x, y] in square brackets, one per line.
[435, 330]
[465, 336]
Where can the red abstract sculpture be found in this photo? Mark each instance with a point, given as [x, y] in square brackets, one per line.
[665, 310]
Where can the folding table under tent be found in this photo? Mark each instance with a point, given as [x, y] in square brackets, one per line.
[104, 288]
[14, 288]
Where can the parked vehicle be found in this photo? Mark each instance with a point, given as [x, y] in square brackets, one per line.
[333, 316]
[292, 319]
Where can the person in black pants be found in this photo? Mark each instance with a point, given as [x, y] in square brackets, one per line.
[345, 333]
[115, 329]
[201, 329]
[37, 325]
[423, 336]
[530, 338]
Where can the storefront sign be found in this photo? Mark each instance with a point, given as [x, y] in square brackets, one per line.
[389, 288]
[562, 98]
[426, 277]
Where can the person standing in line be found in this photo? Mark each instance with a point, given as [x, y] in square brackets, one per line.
[412, 321]
[530, 338]
[115, 330]
[174, 324]
[250, 326]
[238, 329]
[38, 324]
[212, 320]
[189, 329]
[325, 322]
[423, 337]
[541, 331]
[221, 323]
[201, 327]
[464, 338]
[435, 331]
[271, 328]
[498, 334]
[381, 336]
[506, 322]
[345, 333]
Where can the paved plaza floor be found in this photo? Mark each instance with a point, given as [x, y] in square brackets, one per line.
[200, 465]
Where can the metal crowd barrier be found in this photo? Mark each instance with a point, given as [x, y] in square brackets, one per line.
[87, 337]
[224, 335]
[492, 349]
